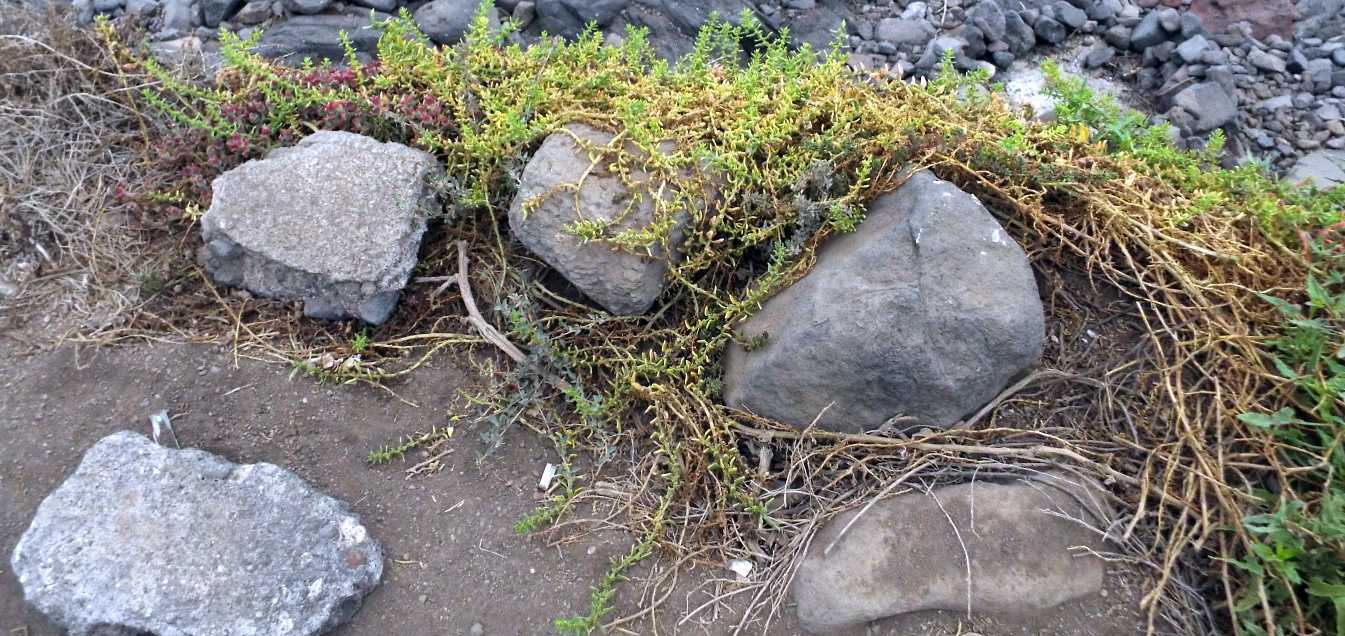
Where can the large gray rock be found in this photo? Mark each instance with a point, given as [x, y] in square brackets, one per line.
[903, 555]
[317, 37]
[569, 17]
[926, 311]
[447, 21]
[142, 539]
[674, 24]
[548, 205]
[334, 221]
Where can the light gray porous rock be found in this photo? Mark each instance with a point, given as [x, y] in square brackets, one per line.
[334, 221]
[547, 206]
[902, 555]
[926, 311]
[143, 539]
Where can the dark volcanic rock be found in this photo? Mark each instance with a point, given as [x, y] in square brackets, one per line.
[926, 311]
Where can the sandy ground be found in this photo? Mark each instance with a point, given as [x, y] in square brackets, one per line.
[453, 559]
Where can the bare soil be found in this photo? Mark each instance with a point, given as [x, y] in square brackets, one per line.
[453, 558]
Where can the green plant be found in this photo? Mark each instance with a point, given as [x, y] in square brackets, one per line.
[1298, 543]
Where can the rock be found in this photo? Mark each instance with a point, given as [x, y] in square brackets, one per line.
[1170, 20]
[940, 46]
[525, 13]
[569, 17]
[926, 311]
[1208, 104]
[902, 32]
[819, 27]
[1192, 51]
[317, 37]
[901, 556]
[1018, 34]
[83, 11]
[674, 24]
[1104, 10]
[1050, 31]
[989, 18]
[1266, 17]
[384, 6]
[1149, 32]
[1319, 73]
[214, 12]
[1118, 37]
[306, 7]
[446, 21]
[1265, 61]
[142, 7]
[107, 6]
[1069, 15]
[1191, 25]
[176, 15]
[1099, 55]
[1323, 168]
[334, 221]
[254, 12]
[144, 539]
[544, 210]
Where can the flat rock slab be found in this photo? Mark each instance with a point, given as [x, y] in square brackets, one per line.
[334, 221]
[903, 555]
[146, 539]
[1323, 168]
[568, 181]
[926, 312]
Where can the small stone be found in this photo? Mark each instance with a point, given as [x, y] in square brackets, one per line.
[989, 18]
[1338, 57]
[1191, 25]
[476, 630]
[1169, 19]
[385, 6]
[902, 32]
[1050, 31]
[1193, 50]
[306, 7]
[1266, 61]
[1147, 33]
[1210, 106]
[1099, 55]
[1118, 37]
[1104, 10]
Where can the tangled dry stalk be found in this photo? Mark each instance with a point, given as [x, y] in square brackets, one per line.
[1154, 330]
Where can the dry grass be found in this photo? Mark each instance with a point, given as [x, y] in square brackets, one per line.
[70, 252]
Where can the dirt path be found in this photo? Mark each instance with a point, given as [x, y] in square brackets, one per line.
[453, 559]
